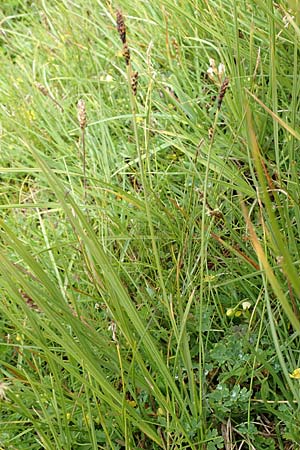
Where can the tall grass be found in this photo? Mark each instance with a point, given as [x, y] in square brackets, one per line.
[149, 225]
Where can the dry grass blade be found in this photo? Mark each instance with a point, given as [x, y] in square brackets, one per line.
[262, 257]
[275, 117]
[227, 435]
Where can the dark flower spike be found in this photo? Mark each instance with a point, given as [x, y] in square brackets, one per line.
[126, 53]
[222, 92]
[121, 27]
[134, 82]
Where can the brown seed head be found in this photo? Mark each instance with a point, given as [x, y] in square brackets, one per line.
[121, 27]
[134, 82]
[222, 92]
[44, 20]
[81, 114]
[42, 89]
[126, 53]
[29, 302]
[47, 93]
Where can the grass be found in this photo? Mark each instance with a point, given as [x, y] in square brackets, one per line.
[149, 225]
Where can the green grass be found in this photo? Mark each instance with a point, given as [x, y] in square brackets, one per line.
[149, 261]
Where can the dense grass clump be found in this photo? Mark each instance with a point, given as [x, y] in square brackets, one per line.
[150, 225]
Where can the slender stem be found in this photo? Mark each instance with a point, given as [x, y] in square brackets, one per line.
[83, 149]
[203, 250]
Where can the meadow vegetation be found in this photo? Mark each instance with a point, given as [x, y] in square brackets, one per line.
[149, 225]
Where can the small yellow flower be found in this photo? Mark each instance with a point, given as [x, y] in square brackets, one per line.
[230, 312]
[209, 278]
[296, 374]
[132, 403]
[160, 412]
[29, 114]
[173, 156]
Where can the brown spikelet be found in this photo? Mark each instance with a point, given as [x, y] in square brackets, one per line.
[81, 113]
[134, 82]
[29, 302]
[42, 89]
[222, 92]
[44, 20]
[121, 27]
[126, 54]
[175, 46]
[48, 94]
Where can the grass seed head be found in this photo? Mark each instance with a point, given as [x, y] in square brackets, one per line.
[42, 89]
[126, 54]
[121, 27]
[222, 92]
[81, 111]
[29, 302]
[3, 388]
[134, 82]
